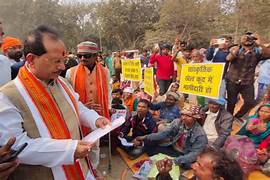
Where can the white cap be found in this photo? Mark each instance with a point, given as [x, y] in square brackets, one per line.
[128, 90]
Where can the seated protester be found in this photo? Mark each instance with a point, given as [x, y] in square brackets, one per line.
[117, 103]
[130, 101]
[263, 152]
[187, 139]
[174, 87]
[117, 93]
[257, 127]
[143, 95]
[210, 165]
[141, 124]
[115, 82]
[117, 110]
[243, 145]
[218, 122]
[168, 109]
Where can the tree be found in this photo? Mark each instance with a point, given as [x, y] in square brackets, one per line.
[190, 19]
[28, 14]
[124, 22]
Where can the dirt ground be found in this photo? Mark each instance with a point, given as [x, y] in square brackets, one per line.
[118, 166]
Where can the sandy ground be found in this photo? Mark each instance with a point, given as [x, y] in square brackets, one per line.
[118, 166]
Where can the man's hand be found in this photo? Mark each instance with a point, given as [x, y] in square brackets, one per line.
[259, 41]
[234, 50]
[82, 150]
[6, 149]
[121, 135]
[213, 42]
[233, 53]
[7, 168]
[136, 142]
[96, 107]
[155, 50]
[261, 127]
[164, 166]
[102, 122]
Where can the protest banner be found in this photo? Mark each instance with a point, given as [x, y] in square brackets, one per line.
[149, 81]
[117, 113]
[131, 69]
[201, 79]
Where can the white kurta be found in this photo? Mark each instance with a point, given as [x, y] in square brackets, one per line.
[44, 150]
[209, 126]
[5, 71]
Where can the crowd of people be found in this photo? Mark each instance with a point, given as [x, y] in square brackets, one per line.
[50, 99]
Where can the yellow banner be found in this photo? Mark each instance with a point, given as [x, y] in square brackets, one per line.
[131, 69]
[201, 79]
[149, 81]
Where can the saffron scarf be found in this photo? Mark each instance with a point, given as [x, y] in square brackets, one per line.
[50, 114]
[129, 103]
[101, 89]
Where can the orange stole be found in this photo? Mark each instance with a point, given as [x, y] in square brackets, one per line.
[50, 115]
[101, 85]
[129, 103]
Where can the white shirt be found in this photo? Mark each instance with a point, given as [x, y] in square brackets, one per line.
[44, 150]
[5, 71]
[209, 126]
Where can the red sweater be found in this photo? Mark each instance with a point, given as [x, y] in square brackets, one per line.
[265, 143]
[165, 68]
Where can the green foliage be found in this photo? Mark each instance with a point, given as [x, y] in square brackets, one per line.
[124, 22]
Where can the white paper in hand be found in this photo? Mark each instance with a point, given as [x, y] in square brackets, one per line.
[98, 133]
[124, 142]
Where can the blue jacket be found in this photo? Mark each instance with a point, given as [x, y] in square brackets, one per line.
[194, 143]
[219, 57]
[167, 113]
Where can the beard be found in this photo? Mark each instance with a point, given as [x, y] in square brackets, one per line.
[15, 55]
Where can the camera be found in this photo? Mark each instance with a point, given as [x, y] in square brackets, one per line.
[250, 38]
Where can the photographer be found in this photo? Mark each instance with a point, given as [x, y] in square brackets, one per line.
[240, 76]
[217, 53]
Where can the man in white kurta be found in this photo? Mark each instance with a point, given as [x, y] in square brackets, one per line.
[5, 71]
[21, 116]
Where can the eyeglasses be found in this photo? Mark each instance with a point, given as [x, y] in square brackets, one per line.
[86, 56]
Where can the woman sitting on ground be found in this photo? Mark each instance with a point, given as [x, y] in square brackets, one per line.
[257, 127]
[243, 146]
